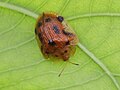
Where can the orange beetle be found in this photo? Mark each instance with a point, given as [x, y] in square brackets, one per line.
[56, 37]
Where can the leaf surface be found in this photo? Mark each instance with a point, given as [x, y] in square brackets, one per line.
[96, 22]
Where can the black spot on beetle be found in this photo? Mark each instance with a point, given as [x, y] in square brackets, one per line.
[68, 43]
[65, 51]
[39, 24]
[56, 30]
[47, 20]
[56, 55]
[35, 31]
[60, 18]
[46, 52]
[67, 33]
[51, 42]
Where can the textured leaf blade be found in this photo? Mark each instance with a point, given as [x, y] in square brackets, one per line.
[22, 65]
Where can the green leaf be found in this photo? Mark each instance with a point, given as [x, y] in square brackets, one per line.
[96, 22]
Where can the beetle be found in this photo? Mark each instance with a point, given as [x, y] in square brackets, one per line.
[55, 37]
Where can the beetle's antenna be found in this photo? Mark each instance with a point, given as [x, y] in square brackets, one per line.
[73, 63]
[65, 66]
[62, 70]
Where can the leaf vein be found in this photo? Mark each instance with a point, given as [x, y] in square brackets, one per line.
[99, 63]
[78, 84]
[16, 46]
[10, 29]
[64, 6]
